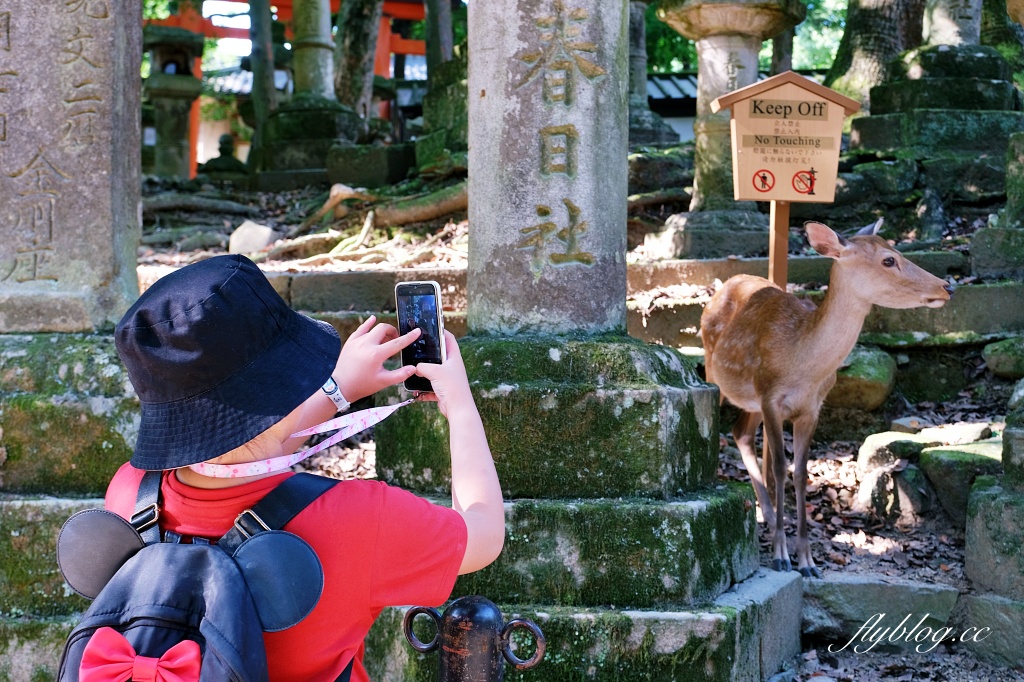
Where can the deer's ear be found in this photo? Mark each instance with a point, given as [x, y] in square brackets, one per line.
[872, 229]
[824, 240]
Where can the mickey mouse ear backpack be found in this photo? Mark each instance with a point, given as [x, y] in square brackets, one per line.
[167, 611]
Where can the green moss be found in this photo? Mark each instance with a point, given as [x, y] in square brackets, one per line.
[627, 553]
[57, 364]
[62, 447]
[1006, 358]
[570, 418]
[30, 581]
[31, 646]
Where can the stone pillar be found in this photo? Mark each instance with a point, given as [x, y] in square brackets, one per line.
[952, 22]
[548, 208]
[69, 163]
[171, 88]
[645, 126]
[728, 36]
[313, 48]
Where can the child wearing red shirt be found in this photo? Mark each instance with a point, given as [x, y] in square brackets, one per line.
[226, 372]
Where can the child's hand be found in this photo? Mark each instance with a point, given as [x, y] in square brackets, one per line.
[449, 380]
[360, 370]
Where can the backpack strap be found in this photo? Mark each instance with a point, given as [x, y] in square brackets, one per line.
[145, 519]
[277, 508]
[346, 673]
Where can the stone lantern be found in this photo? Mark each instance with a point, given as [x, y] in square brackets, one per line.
[171, 88]
[728, 36]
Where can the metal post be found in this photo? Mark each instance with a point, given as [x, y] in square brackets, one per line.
[473, 640]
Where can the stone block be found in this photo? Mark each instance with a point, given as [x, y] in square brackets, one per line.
[837, 607]
[30, 649]
[960, 433]
[998, 252]
[952, 471]
[884, 449]
[994, 540]
[631, 553]
[951, 61]
[896, 495]
[430, 148]
[1013, 455]
[569, 418]
[1005, 358]
[31, 582]
[890, 177]
[370, 165]
[973, 179]
[865, 380]
[928, 133]
[943, 93]
[745, 636]
[68, 414]
[997, 623]
[370, 291]
[652, 171]
[710, 234]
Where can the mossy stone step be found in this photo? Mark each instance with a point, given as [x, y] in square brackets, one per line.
[30, 648]
[68, 414]
[744, 636]
[30, 582]
[943, 93]
[569, 418]
[934, 132]
[994, 541]
[952, 469]
[630, 553]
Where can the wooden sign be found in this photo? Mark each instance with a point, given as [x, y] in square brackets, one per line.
[786, 133]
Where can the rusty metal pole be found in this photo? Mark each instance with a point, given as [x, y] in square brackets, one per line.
[473, 640]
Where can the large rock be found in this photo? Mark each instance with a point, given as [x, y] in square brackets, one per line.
[883, 449]
[865, 380]
[953, 470]
[995, 625]
[1006, 358]
[365, 165]
[838, 607]
[994, 542]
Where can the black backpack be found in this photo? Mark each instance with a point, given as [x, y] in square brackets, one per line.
[197, 610]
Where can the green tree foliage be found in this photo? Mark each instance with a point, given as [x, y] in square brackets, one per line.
[667, 50]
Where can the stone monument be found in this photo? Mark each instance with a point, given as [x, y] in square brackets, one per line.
[606, 447]
[69, 163]
[171, 88]
[301, 132]
[728, 36]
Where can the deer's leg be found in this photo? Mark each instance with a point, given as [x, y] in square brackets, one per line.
[743, 431]
[803, 430]
[777, 453]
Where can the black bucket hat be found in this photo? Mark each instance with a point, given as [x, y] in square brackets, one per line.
[217, 357]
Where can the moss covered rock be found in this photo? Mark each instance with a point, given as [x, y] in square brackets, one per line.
[884, 449]
[1006, 358]
[631, 553]
[865, 380]
[994, 542]
[30, 649]
[30, 582]
[998, 252]
[953, 469]
[569, 418]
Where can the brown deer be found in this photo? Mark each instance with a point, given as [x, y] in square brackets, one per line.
[775, 358]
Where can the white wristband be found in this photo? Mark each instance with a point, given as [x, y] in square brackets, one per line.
[334, 393]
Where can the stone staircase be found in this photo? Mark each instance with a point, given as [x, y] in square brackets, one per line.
[658, 579]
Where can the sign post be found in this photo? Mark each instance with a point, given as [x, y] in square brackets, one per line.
[786, 134]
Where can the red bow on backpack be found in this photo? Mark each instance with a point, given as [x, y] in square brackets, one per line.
[108, 657]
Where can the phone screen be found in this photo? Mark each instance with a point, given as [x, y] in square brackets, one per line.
[418, 306]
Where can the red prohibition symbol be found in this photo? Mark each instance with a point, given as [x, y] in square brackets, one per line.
[803, 181]
[764, 180]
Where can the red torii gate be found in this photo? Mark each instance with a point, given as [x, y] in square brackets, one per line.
[388, 43]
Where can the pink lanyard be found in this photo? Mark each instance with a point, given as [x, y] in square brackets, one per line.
[347, 424]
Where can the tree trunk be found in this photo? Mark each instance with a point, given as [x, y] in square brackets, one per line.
[264, 95]
[1000, 32]
[355, 48]
[782, 52]
[876, 32]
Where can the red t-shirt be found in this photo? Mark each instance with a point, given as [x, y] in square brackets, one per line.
[379, 546]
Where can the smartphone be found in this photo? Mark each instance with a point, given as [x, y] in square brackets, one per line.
[419, 305]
